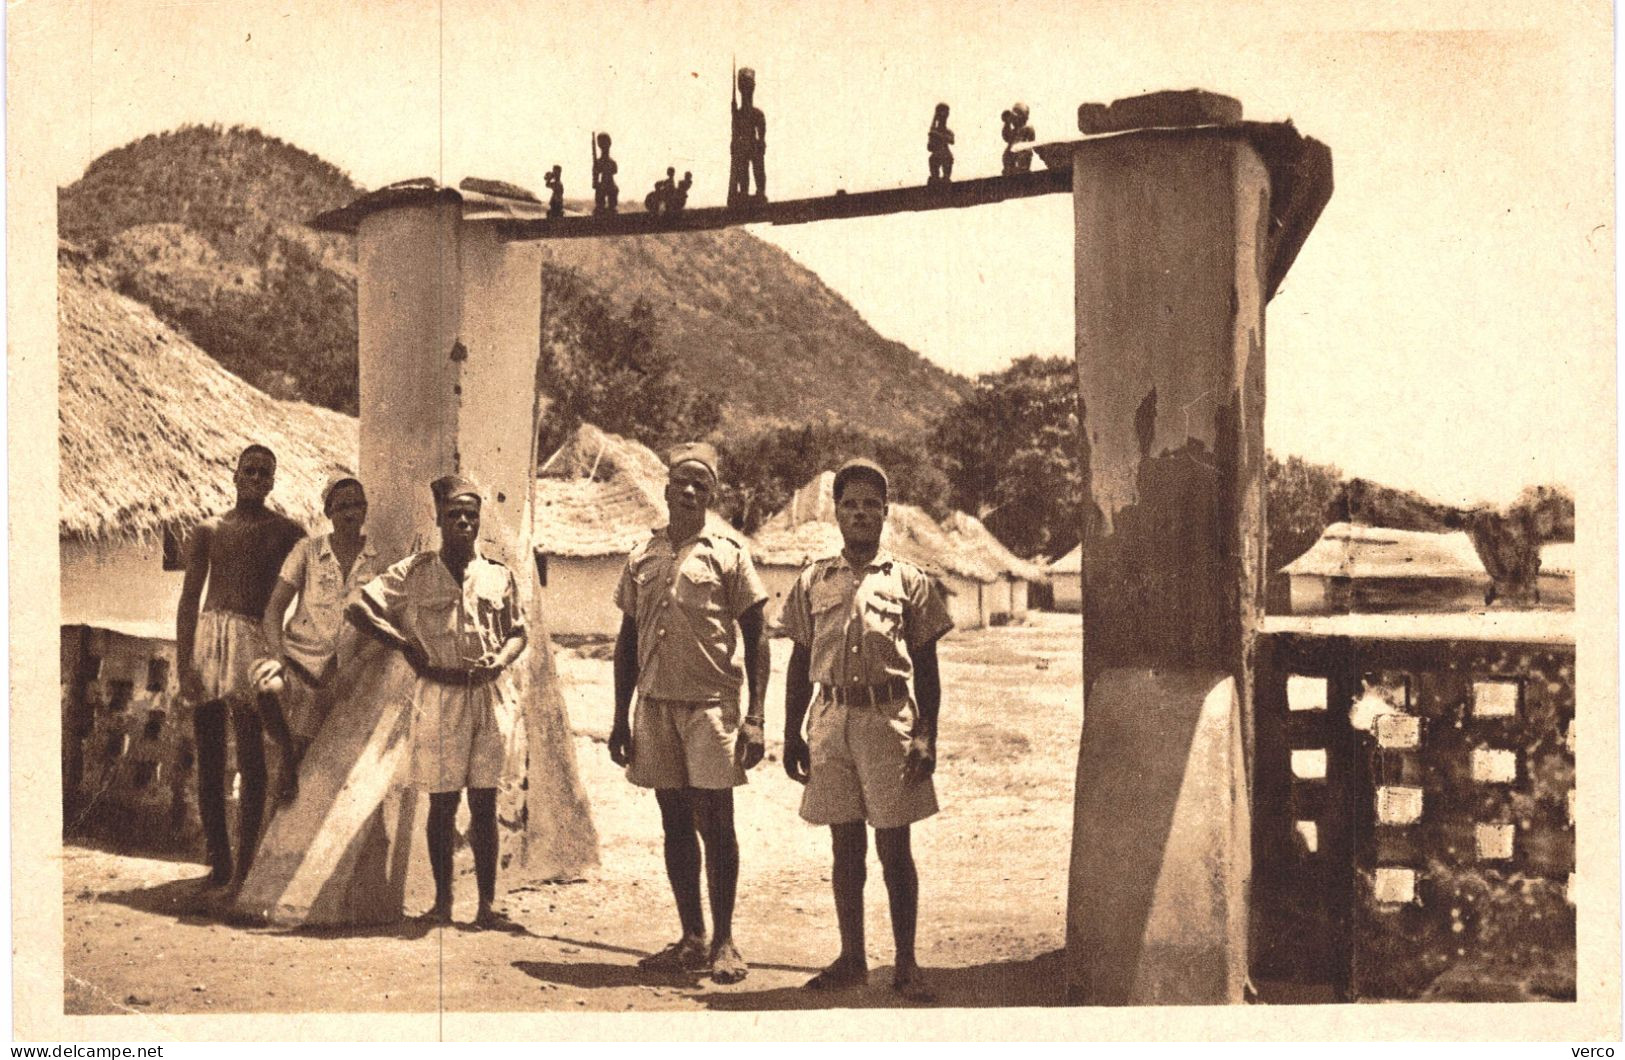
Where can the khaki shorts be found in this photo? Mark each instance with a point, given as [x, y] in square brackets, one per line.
[224, 650]
[456, 739]
[857, 766]
[681, 744]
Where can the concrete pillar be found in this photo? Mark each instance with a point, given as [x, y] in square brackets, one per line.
[1172, 272]
[449, 319]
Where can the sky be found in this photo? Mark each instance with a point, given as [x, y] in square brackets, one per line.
[1446, 327]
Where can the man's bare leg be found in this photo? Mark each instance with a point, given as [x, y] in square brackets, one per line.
[682, 846]
[440, 836]
[903, 894]
[714, 814]
[276, 726]
[850, 843]
[209, 736]
[250, 738]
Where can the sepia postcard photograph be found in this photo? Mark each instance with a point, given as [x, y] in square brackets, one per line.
[1050, 519]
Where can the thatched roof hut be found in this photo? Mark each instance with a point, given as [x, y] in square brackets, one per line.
[150, 426]
[805, 530]
[598, 495]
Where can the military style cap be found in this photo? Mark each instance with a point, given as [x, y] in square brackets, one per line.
[861, 468]
[334, 481]
[699, 453]
[447, 487]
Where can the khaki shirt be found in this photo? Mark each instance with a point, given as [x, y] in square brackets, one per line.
[324, 591]
[860, 627]
[455, 625]
[686, 602]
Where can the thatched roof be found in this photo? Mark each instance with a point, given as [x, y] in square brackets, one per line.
[971, 535]
[598, 495]
[150, 426]
[1348, 550]
[805, 530]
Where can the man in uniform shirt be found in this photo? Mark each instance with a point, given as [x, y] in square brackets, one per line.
[455, 615]
[325, 573]
[682, 593]
[238, 555]
[862, 623]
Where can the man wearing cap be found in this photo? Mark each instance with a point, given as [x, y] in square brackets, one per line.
[237, 555]
[325, 573]
[863, 622]
[455, 615]
[683, 592]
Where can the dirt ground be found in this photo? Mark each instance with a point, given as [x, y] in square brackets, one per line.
[993, 868]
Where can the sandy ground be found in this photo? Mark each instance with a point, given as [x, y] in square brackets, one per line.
[993, 876]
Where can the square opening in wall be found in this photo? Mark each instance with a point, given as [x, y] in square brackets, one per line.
[1494, 766]
[1305, 693]
[1309, 764]
[1399, 732]
[155, 725]
[1494, 841]
[1394, 885]
[1397, 804]
[119, 694]
[157, 675]
[1495, 699]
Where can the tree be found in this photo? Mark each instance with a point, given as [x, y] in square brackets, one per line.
[1012, 454]
[762, 471]
[1300, 503]
[604, 366]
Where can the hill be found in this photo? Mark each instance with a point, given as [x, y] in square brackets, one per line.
[206, 226]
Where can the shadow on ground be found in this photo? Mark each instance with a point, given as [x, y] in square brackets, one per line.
[187, 903]
[1038, 981]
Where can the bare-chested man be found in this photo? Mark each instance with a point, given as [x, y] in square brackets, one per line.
[239, 555]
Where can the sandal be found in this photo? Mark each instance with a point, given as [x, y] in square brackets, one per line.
[684, 955]
[727, 966]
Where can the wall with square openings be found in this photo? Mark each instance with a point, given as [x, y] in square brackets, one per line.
[1413, 816]
[128, 763]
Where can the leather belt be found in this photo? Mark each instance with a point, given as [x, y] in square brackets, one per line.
[451, 675]
[869, 695]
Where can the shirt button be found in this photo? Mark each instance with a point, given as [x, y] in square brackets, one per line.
[660, 632]
[854, 649]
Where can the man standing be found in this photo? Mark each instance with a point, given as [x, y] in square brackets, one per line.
[324, 573]
[238, 555]
[682, 593]
[455, 616]
[863, 622]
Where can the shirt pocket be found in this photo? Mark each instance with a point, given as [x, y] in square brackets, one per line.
[434, 623]
[699, 589]
[825, 597]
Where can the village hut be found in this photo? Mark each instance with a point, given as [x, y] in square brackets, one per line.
[1066, 578]
[149, 430]
[596, 497]
[1355, 568]
[964, 568]
[1006, 598]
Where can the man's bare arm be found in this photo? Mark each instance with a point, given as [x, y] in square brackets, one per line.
[275, 610]
[626, 680]
[758, 660]
[797, 696]
[186, 612]
[922, 750]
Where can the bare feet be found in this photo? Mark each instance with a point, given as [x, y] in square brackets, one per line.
[437, 914]
[727, 966]
[687, 954]
[840, 975]
[488, 919]
[910, 983]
